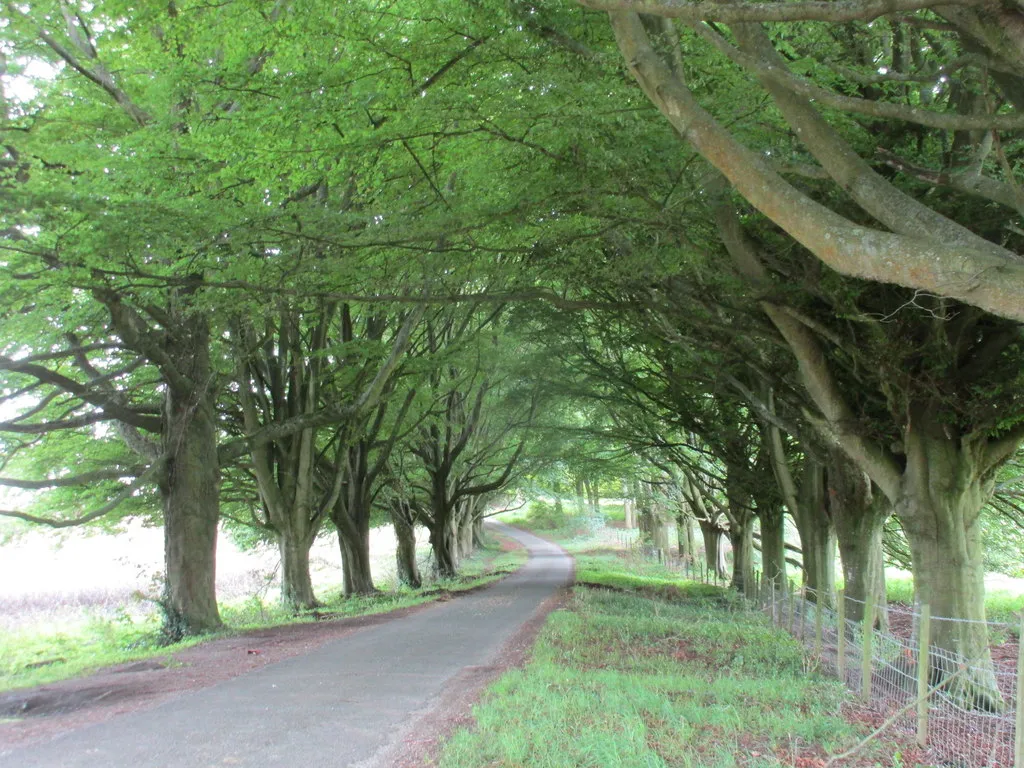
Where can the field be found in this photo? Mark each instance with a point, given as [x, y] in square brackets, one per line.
[50, 631]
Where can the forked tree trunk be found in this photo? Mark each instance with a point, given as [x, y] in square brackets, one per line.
[773, 544]
[941, 496]
[859, 512]
[190, 489]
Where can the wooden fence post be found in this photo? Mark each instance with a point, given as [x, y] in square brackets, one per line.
[803, 612]
[791, 596]
[841, 637]
[1018, 753]
[923, 673]
[867, 635]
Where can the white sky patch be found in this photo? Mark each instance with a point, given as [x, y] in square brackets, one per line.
[22, 87]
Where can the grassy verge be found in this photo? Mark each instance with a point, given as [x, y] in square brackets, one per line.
[29, 658]
[640, 672]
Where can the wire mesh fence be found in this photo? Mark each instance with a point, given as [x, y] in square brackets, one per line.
[964, 712]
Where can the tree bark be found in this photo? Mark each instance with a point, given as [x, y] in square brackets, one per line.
[405, 554]
[684, 535]
[859, 512]
[714, 555]
[741, 526]
[817, 534]
[773, 544]
[942, 492]
[354, 541]
[593, 496]
[296, 583]
[741, 537]
[443, 544]
[479, 542]
[465, 526]
[190, 489]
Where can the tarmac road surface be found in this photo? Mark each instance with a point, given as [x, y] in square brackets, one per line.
[347, 703]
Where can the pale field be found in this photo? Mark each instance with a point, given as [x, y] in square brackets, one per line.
[53, 581]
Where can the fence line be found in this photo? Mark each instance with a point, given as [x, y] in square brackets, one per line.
[942, 694]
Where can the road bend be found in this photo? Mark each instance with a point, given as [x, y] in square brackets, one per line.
[344, 704]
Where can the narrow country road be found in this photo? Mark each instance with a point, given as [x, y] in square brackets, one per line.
[348, 703]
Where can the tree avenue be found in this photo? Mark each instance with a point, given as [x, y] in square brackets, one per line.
[305, 270]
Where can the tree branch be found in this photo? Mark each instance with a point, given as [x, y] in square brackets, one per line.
[106, 509]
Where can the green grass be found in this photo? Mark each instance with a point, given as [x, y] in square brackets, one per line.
[630, 677]
[29, 658]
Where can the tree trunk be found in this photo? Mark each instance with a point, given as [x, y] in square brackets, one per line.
[296, 584]
[581, 503]
[479, 542]
[859, 512]
[557, 490]
[741, 527]
[444, 546]
[190, 490]
[405, 554]
[465, 525]
[714, 555]
[684, 535]
[354, 541]
[627, 505]
[742, 539]
[817, 534]
[773, 544]
[593, 497]
[941, 495]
